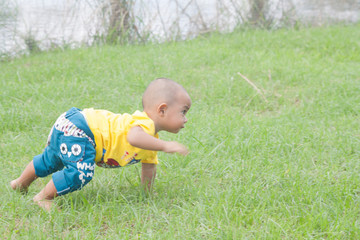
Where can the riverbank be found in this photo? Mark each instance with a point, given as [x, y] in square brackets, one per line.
[29, 26]
[279, 161]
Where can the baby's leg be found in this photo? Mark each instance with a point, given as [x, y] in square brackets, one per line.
[44, 197]
[26, 178]
[29, 174]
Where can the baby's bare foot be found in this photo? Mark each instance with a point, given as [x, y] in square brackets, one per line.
[15, 185]
[43, 203]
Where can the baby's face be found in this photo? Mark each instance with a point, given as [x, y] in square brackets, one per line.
[175, 118]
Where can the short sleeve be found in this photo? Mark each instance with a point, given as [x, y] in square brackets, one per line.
[142, 120]
[153, 160]
[147, 124]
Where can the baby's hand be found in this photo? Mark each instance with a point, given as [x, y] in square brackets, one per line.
[175, 147]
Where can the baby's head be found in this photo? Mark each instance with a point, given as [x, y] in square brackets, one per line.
[166, 103]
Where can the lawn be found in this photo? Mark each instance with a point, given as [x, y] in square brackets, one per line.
[274, 134]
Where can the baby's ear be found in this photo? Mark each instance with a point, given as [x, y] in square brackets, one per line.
[162, 109]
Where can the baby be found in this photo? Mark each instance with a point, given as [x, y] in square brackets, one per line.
[80, 139]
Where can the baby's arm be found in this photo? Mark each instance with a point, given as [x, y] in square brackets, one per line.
[137, 137]
[148, 173]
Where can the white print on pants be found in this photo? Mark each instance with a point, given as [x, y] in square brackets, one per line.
[86, 167]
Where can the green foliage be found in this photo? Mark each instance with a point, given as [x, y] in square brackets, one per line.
[121, 27]
[31, 44]
[278, 163]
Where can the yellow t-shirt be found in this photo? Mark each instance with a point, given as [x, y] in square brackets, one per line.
[110, 131]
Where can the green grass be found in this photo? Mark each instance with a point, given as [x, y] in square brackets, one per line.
[284, 168]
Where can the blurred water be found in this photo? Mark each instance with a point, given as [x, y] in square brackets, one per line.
[52, 22]
[71, 22]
